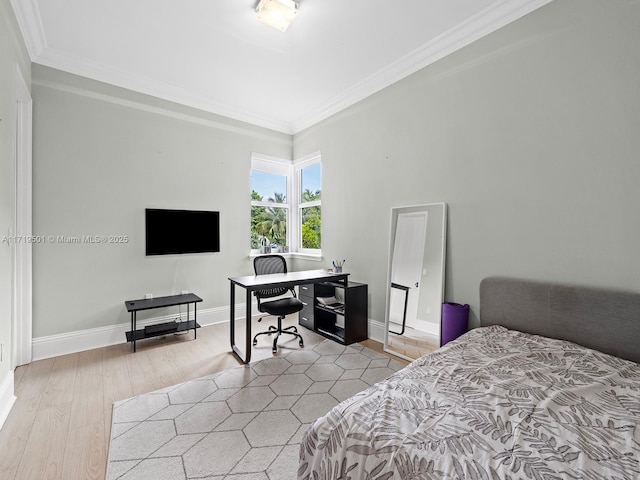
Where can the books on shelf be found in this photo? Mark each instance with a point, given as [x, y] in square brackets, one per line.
[329, 302]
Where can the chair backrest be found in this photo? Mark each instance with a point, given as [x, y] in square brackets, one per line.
[265, 264]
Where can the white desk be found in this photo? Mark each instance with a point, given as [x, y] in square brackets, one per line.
[251, 283]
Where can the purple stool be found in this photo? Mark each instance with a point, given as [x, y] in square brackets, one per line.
[455, 320]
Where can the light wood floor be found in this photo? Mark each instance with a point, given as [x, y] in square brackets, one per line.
[60, 425]
[413, 343]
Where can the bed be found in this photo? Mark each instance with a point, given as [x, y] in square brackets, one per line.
[547, 388]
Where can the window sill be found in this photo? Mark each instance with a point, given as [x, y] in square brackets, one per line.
[302, 256]
[307, 256]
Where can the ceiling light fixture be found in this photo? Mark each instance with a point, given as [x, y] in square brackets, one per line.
[277, 13]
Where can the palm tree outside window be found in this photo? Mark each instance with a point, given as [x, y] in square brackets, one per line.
[286, 205]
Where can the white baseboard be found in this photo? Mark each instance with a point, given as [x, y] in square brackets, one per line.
[7, 397]
[376, 330]
[81, 340]
[427, 327]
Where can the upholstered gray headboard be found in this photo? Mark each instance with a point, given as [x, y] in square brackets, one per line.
[602, 319]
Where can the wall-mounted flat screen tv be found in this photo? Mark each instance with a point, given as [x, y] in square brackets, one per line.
[170, 232]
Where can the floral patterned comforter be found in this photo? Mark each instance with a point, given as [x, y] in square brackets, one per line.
[494, 404]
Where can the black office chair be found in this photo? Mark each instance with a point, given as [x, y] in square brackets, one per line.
[281, 307]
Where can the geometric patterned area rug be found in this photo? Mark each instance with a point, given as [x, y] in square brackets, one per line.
[242, 423]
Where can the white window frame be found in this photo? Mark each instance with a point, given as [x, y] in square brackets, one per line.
[298, 166]
[278, 166]
[293, 172]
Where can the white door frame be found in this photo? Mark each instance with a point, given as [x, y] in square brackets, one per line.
[21, 321]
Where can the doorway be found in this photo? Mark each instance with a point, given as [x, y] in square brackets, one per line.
[21, 252]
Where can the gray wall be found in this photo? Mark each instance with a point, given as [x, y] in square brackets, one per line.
[531, 137]
[12, 54]
[101, 155]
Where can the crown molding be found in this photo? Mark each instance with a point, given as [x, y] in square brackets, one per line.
[138, 83]
[242, 129]
[497, 15]
[485, 22]
[30, 23]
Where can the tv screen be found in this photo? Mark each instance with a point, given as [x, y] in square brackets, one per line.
[181, 231]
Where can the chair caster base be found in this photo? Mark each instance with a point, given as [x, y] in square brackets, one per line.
[278, 331]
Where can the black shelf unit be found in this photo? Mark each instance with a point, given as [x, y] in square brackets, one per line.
[141, 333]
[157, 330]
[346, 327]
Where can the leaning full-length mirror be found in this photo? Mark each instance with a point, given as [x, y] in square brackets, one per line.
[415, 289]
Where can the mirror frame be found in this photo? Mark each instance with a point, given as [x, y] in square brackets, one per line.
[395, 211]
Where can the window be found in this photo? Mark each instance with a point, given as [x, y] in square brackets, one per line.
[286, 204]
[270, 210]
[309, 207]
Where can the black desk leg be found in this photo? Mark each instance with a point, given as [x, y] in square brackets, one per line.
[232, 315]
[232, 323]
[248, 328]
[246, 356]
